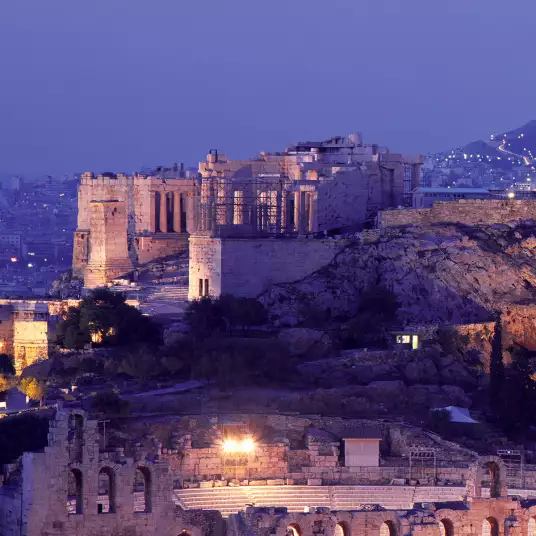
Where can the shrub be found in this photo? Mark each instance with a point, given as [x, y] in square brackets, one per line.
[110, 404]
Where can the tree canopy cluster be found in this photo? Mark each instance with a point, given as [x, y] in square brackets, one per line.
[104, 318]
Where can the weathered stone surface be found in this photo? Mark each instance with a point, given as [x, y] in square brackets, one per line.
[303, 341]
[421, 371]
[448, 273]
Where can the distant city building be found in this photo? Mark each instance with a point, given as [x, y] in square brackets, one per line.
[426, 197]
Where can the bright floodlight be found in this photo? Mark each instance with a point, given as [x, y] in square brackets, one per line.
[230, 445]
[511, 195]
[248, 445]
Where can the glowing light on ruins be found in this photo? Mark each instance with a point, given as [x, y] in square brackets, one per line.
[246, 446]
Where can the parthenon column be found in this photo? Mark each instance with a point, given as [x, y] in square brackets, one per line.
[191, 217]
[177, 209]
[152, 213]
[298, 212]
[163, 212]
[312, 212]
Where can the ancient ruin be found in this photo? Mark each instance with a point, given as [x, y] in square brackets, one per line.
[225, 476]
[311, 189]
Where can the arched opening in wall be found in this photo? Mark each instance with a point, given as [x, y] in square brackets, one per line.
[532, 527]
[170, 207]
[75, 492]
[341, 529]
[142, 490]
[294, 530]
[490, 527]
[388, 529]
[157, 212]
[106, 496]
[491, 478]
[446, 527]
[75, 437]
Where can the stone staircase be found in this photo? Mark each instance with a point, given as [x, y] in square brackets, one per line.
[230, 500]
[390, 497]
[167, 293]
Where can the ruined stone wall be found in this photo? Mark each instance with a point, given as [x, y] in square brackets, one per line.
[108, 246]
[38, 485]
[30, 342]
[342, 201]
[248, 266]
[6, 330]
[478, 517]
[149, 248]
[465, 211]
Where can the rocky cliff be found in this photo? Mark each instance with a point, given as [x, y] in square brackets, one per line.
[440, 273]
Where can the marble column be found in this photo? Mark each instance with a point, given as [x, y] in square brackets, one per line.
[298, 208]
[177, 209]
[163, 212]
[312, 212]
[152, 213]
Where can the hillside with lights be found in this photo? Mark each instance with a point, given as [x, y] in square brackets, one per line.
[507, 160]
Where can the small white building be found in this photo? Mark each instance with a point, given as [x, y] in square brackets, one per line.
[361, 449]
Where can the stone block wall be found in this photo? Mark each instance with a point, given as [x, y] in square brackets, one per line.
[108, 244]
[149, 248]
[30, 342]
[464, 211]
[246, 267]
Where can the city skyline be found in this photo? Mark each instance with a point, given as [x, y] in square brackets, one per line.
[121, 85]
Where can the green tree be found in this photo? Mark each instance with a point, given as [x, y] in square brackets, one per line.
[517, 408]
[33, 389]
[110, 403]
[225, 314]
[6, 365]
[376, 316]
[104, 317]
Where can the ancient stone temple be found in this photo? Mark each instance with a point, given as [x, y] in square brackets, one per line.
[309, 190]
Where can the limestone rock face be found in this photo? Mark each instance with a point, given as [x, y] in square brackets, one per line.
[303, 341]
[445, 273]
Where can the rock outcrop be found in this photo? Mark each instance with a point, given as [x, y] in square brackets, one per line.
[442, 273]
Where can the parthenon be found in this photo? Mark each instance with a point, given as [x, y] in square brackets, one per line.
[310, 189]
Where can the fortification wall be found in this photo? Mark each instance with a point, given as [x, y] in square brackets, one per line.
[248, 266]
[342, 201]
[108, 252]
[465, 211]
[149, 248]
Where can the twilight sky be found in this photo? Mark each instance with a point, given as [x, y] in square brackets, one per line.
[113, 85]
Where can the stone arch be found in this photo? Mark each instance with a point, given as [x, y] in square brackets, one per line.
[342, 529]
[142, 489]
[446, 527]
[75, 492]
[388, 528]
[531, 526]
[497, 472]
[490, 527]
[107, 491]
[294, 530]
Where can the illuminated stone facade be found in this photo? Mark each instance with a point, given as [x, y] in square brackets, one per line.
[68, 484]
[24, 329]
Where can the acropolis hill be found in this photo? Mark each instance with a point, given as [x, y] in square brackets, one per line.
[363, 400]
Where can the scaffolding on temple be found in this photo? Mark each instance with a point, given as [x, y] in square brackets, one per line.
[514, 461]
[268, 206]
